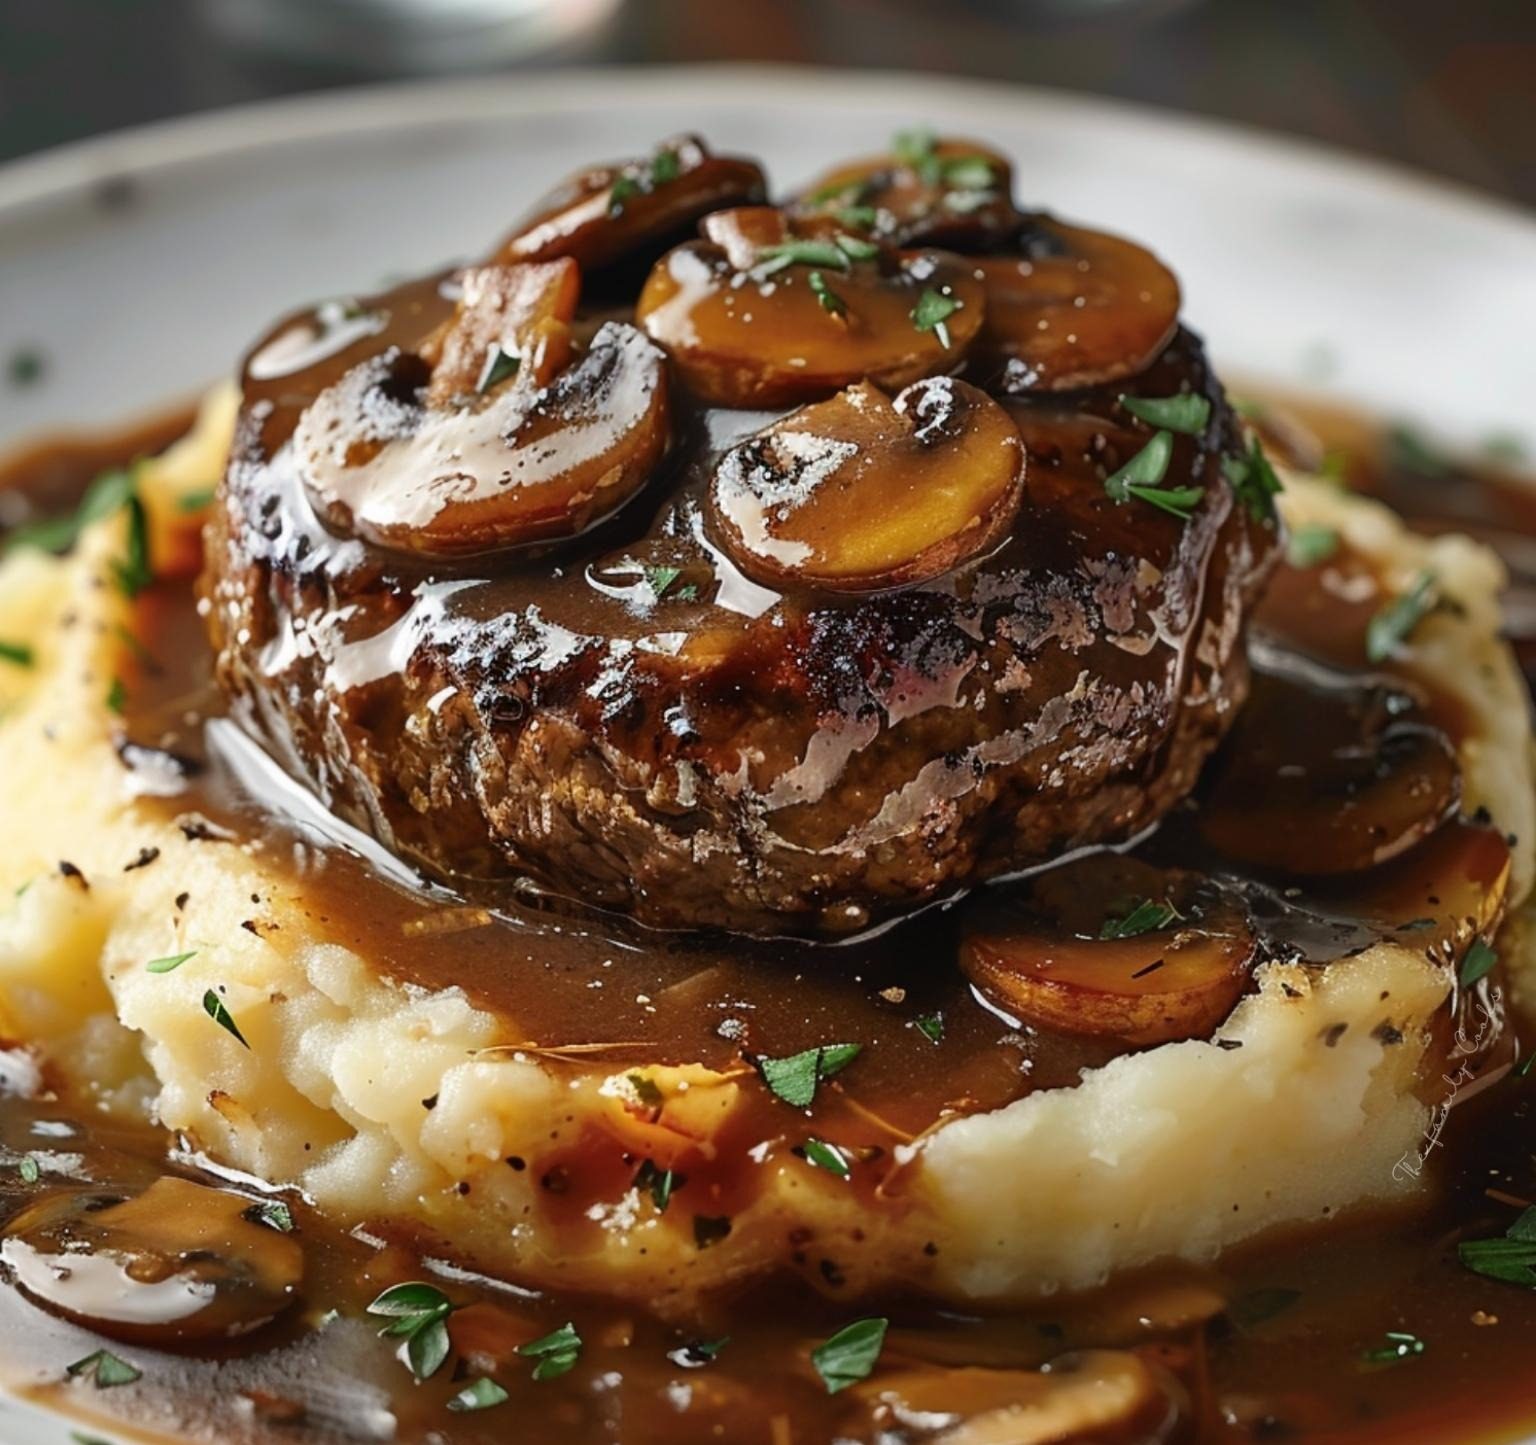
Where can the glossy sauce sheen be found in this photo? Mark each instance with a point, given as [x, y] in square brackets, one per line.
[1281, 1358]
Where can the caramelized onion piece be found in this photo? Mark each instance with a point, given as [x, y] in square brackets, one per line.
[178, 1263]
[765, 312]
[601, 215]
[952, 193]
[1108, 1397]
[497, 432]
[1041, 956]
[1070, 307]
[861, 492]
[1327, 778]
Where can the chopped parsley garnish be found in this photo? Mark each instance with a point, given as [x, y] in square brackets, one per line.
[104, 1370]
[918, 149]
[1254, 482]
[25, 367]
[1523, 1069]
[273, 1213]
[831, 302]
[105, 496]
[826, 1156]
[640, 180]
[18, 654]
[697, 1353]
[1187, 412]
[213, 1006]
[1510, 1258]
[850, 1354]
[862, 217]
[1399, 1346]
[1391, 627]
[1310, 545]
[659, 1183]
[931, 1026]
[932, 313]
[665, 167]
[659, 578]
[478, 1394]
[196, 501]
[418, 1314]
[117, 697]
[806, 251]
[624, 188]
[500, 365]
[645, 1090]
[795, 1078]
[170, 963]
[1409, 452]
[1146, 469]
[556, 1352]
[855, 248]
[132, 571]
[1477, 964]
[1148, 916]
[29, 1169]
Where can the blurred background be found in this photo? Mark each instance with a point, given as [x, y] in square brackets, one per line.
[1447, 87]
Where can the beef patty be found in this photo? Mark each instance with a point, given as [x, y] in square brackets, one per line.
[621, 688]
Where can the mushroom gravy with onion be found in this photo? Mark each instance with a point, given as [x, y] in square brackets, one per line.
[153, 1293]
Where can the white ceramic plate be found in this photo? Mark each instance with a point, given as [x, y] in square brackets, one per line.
[142, 264]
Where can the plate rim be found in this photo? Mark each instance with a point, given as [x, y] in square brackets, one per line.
[62, 171]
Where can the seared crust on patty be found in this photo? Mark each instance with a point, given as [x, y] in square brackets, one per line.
[631, 717]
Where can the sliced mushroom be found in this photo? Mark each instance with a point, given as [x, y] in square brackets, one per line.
[769, 312]
[1069, 307]
[179, 1262]
[600, 216]
[1109, 1397]
[1112, 948]
[495, 432]
[862, 492]
[1321, 775]
[928, 192]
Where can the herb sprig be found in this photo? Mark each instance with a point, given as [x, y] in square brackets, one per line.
[850, 1355]
[418, 1315]
[556, 1352]
[795, 1078]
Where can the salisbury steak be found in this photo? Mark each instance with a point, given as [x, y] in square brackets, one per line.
[495, 579]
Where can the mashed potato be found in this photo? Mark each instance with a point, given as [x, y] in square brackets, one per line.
[1300, 1106]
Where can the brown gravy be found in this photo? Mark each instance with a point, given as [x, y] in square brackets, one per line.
[1284, 1358]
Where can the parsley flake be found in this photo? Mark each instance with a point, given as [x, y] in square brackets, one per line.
[1399, 1346]
[831, 302]
[273, 1213]
[499, 366]
[850, 1354]
[795, 1078]
[1409, 452]
[697, 1353]
[1147, 916]
[29, 1169]
[18, 654]
[624, 188]
[659, 1183]
[418, 1314]
[801, 251]
[659, 578]
[1393, 625]
[213, 1006]
[104, 1370]
[1511, 1258]
[1146, 469]
[170, 963]
[931, 1026]
[1254, 482]
[479, 1394]
[1478, 963]
[1188, 412]
[932, 312]
[556, 1352]
[826, 1156]
[117, 697]
[1310, 545]
[196, 501]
